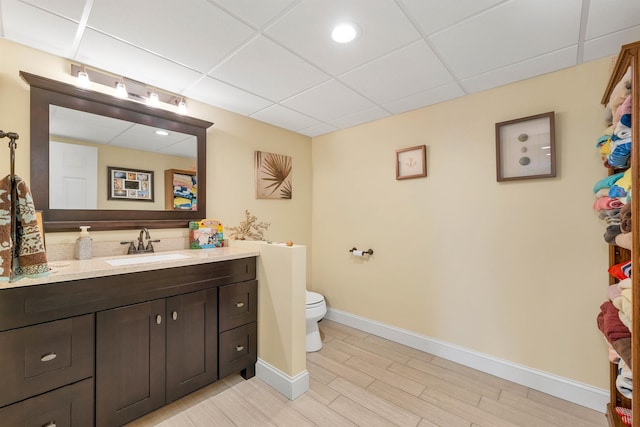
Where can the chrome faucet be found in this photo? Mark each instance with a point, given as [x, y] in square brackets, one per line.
[142, 247]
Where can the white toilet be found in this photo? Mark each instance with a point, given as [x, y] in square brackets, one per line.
[315, 311]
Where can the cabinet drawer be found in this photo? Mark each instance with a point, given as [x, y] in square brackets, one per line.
[238, 349]
[70, 406]
[238, 304]
[39, 358]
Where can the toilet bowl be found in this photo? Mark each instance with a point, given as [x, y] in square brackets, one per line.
[315, 311]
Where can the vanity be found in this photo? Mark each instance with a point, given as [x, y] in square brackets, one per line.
[104, 341]
[98, 343]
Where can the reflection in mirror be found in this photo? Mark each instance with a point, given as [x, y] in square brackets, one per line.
[82, 146]
[185, 153]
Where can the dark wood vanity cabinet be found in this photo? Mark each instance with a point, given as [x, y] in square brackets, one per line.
[153, 353]
[238, 328]
[152, 336]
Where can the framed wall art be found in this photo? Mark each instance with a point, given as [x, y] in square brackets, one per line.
[273, 176]
[525, 148]
[411, 162]
[130, 184]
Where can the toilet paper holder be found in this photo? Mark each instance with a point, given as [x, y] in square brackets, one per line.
[356, 252]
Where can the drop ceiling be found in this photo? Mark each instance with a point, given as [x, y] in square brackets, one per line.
[274, 60]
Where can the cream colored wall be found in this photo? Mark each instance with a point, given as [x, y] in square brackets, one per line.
[515, 270]
[281, 318]
[231, 143]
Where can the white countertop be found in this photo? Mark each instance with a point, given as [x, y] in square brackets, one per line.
[66, 270]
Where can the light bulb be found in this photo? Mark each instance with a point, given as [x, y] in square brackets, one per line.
[182, 107]
[344, 33]
[153, 100]
[83, 79]
[121, 90]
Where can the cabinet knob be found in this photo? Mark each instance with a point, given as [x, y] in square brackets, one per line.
[48, 357]
[174, 315]
[239, 304]
[50, 424]
[239, 347]
[158, 319]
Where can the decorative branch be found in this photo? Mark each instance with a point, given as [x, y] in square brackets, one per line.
[249, 229]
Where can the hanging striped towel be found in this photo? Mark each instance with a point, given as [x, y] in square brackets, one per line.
[29, 258]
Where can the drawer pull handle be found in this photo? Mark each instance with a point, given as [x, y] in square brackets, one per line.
[239, 304]
[158, 319]
[48, 357]
[239, 347]
[50, 424]
[174, 315]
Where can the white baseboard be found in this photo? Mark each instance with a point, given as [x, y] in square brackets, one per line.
[564, 388]
[291, 387]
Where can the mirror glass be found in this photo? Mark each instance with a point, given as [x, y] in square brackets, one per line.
[129, 167]
[83, 146]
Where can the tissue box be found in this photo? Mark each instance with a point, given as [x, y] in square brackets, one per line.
[204, 234]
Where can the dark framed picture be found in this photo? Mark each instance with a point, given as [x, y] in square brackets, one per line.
[411, 162]
[526, 148]
[130, 184]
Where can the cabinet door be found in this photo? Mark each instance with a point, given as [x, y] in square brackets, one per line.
[130, 362]
[192, 342]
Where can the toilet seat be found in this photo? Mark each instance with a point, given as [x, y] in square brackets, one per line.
[314, 299]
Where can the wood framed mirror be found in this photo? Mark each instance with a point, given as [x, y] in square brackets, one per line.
[50, 98]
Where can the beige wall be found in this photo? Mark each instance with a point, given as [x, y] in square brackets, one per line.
[231, 143]
[515, 270]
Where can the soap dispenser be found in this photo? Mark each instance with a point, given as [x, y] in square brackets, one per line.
[83, 243]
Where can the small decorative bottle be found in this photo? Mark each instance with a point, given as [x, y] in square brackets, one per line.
[83, 243]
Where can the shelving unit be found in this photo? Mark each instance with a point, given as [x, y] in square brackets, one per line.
[170, 195]
[629, 56]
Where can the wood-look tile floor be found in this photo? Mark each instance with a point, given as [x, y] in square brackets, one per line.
[358, 379]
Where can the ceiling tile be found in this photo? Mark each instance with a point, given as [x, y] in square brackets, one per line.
[609, 44]
[360, 117]
[120, 58]
[383, 28]
[84, 126]
[38, 29]
[191, 32]
[284, 117]
[328, 101]
[316, 130]
[424, 98]
[219, 94]
[266, 69]
[512, 32]
[522, 70]
[411, 69]
[182, 149]
[434, 15]
[71, 9]
[606, 16]
[256, 13]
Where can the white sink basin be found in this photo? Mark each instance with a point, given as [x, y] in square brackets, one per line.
[132, 260]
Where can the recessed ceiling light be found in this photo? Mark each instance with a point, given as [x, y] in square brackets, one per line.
[162, 132]
[344, 33]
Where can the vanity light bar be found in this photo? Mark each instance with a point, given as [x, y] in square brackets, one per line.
[135, 90]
